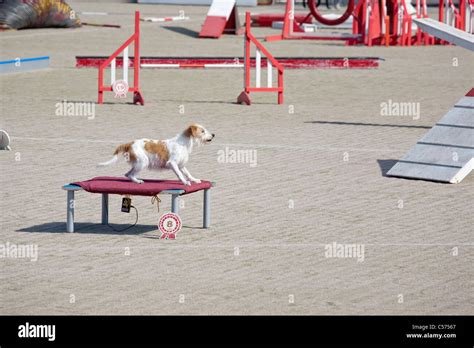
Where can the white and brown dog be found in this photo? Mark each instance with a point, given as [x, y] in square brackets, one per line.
[163, 154]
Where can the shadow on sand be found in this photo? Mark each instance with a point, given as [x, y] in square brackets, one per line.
[386, 165]
[182, 31]
[97, 228]
[341, 123]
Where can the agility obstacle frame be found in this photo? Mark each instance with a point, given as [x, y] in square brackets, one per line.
[135, 40]
[244, 97]
[378, 22]
[292, 29]
[249, 39]
[121, 186]
[446, 152]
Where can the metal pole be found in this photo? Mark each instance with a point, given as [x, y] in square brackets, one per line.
[206, 214]
[175, 203]
[70, 211]
[105, 208]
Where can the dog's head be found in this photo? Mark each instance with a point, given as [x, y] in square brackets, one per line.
[199, 134]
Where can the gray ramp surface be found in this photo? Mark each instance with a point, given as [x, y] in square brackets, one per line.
[446, 152]
[446, 32]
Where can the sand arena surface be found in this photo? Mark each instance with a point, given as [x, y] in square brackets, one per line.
[318, 179]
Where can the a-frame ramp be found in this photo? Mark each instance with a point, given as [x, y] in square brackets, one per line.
[446, 152]
[223, 17]
[446, 32]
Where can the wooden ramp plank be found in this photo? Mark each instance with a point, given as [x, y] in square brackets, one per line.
[431, 172]
[446, 152]
[423, 171]
[466, 102]
[462, 117]
[446, 32]
[438, 155]
[450, 136]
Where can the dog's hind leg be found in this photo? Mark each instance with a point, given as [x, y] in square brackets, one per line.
[132, 173]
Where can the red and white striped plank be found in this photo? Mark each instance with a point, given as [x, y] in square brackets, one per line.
[217, 18]
[266, 19]
[229, 62]
[164, 19]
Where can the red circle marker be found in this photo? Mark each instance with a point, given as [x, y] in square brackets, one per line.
[120, 88]
[169, 225]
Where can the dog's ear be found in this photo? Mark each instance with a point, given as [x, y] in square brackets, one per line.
[192, 131]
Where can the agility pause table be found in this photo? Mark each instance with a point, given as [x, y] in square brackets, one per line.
[175, 194]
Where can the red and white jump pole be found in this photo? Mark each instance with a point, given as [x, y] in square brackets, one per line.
[244, 97]
[165, 19]
[135, 40]
[237, 62]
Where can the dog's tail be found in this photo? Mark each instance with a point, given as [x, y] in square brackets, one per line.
[109, 162]
[124, 148]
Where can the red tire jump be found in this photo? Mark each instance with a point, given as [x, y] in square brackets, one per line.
[336, 21]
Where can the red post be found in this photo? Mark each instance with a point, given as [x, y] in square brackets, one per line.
[287, 25]
[462, 15]
[441, 11]
[280, 86]
[409, 34]
[288, 22]
[364, 19]
[371, 27]
[136, 62]
[100, 98]
[137, 95]
[247, 53]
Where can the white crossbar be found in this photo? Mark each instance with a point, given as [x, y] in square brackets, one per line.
[125, 64]
[205, 66]
[400, 19]
[245, 59]
[384, 30]
[112, 72]
[258, 59]
[269, 73]
[368, 12]
[469, 18]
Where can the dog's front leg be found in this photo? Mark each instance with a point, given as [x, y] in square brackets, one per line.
[178, 173]
[190, 177]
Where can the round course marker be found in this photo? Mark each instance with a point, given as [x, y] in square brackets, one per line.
[169, 225]
[120, 88]
[4, 140]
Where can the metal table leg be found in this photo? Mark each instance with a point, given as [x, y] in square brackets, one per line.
[70, 211]
[105, 208]
[175, 203]
[206, 214]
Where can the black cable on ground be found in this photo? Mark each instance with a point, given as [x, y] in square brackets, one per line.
[126, 228]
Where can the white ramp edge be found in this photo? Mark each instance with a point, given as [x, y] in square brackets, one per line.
[221, 8]
[446, 32]
[446, 152]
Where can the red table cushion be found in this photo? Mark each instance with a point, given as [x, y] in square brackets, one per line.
[123, 186]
